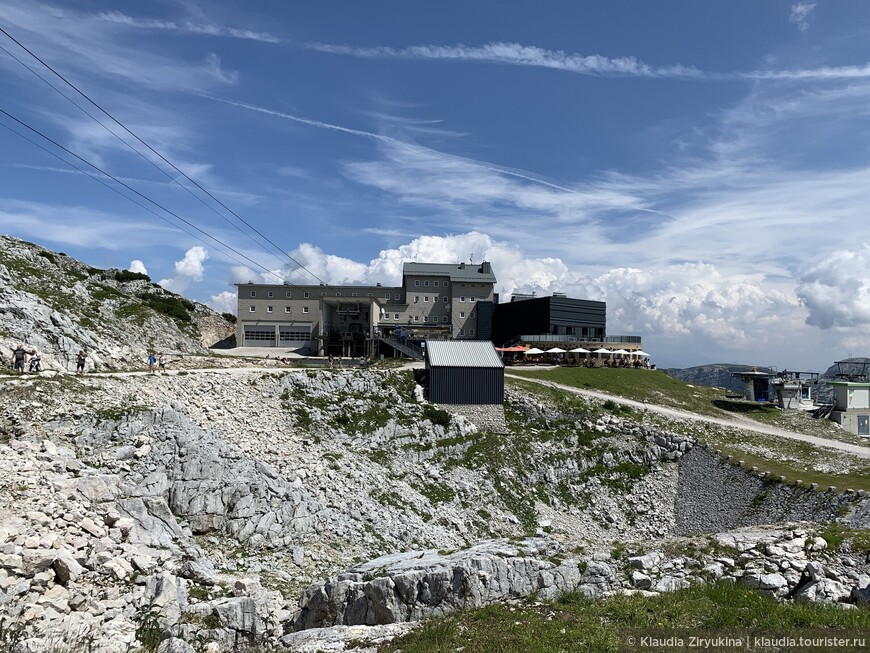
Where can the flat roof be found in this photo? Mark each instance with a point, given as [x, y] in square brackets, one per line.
[456, 271]
[462, 353]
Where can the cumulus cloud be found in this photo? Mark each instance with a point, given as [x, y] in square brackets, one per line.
[187, 270]
[223, 302]
[836, 290]
[137, 266]
[800, 13]
[668, 303]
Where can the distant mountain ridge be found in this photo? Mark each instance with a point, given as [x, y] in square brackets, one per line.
[58, 305]
[717, 375]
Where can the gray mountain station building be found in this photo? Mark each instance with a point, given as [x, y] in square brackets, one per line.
[464, 372]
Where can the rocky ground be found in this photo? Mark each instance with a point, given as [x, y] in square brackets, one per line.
[210, 507]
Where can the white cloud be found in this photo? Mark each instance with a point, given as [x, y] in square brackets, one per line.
[187, 270]
[185, 27]
[521, 55]
[223, 302]
[800, 13]
[596, 65]
[92, 46]
[683, 311]
[191, 266]
[137, 266]
[244, 274]
[836, 290]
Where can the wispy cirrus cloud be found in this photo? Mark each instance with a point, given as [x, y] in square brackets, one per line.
[520, 55]
[185, 27]
[596, 65]
[799, 14]
[92, 47]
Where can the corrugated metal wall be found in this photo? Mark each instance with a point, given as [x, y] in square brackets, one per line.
[466, 385]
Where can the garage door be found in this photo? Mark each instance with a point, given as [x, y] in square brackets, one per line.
[257, 336]
[294, 337]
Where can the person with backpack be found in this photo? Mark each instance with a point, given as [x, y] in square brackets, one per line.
[35, 361]
[152, 361]
[161, 361]
[80, 362]
[19, 356]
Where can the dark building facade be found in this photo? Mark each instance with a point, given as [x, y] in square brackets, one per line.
[464, 372]
[577, 319]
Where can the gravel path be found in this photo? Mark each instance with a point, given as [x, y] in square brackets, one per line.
[854, 449]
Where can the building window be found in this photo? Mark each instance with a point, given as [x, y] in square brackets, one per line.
[417, 282]
[461, 315]
[304, 309]
[270, 294]
[252, 309]
[387, 296]
[444, 319]
[368, 294]
[426, 283]
[425, 298]
[471, 332]
[396, 316]
[338, 294]
[288, 294]
[461, 332]
[445, 299]
[425, 318]
[436, 283]
[253, 293]
[286, 309]
[270, 309]
[445, 284]
[306, 295]
[396, 296]
[471, 315]
[462, 298]
[471, 299]
[354, 294]
[416, 318]
[416, 299]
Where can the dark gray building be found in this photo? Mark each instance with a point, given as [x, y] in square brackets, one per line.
[464, 372]
[577, 319]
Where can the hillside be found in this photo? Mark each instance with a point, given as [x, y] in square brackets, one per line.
[221, 496]
[59, 306]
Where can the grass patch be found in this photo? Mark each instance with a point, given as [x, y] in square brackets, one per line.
[576, 624]
[857, 540]
[653, 386]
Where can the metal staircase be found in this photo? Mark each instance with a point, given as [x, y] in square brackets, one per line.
[408, 348]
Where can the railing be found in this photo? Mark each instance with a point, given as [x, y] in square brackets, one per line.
[631, 339]
[408, 348]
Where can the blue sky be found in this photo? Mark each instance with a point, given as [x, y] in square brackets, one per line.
[702, 167]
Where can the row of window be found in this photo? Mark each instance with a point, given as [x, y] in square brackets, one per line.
[396, 296]
[426, 283]
[445, 298]
[271, 309]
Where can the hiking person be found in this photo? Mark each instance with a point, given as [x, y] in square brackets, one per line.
[152, 361]
[161, 361]
[80, 362]
[35, 361]
[19, 355]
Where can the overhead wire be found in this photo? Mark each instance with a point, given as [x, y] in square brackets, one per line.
[151, 149]
[214, 239]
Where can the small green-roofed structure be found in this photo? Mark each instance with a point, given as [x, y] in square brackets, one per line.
[464, 372]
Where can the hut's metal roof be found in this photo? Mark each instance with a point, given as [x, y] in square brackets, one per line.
[462, 353]
[481, 273]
